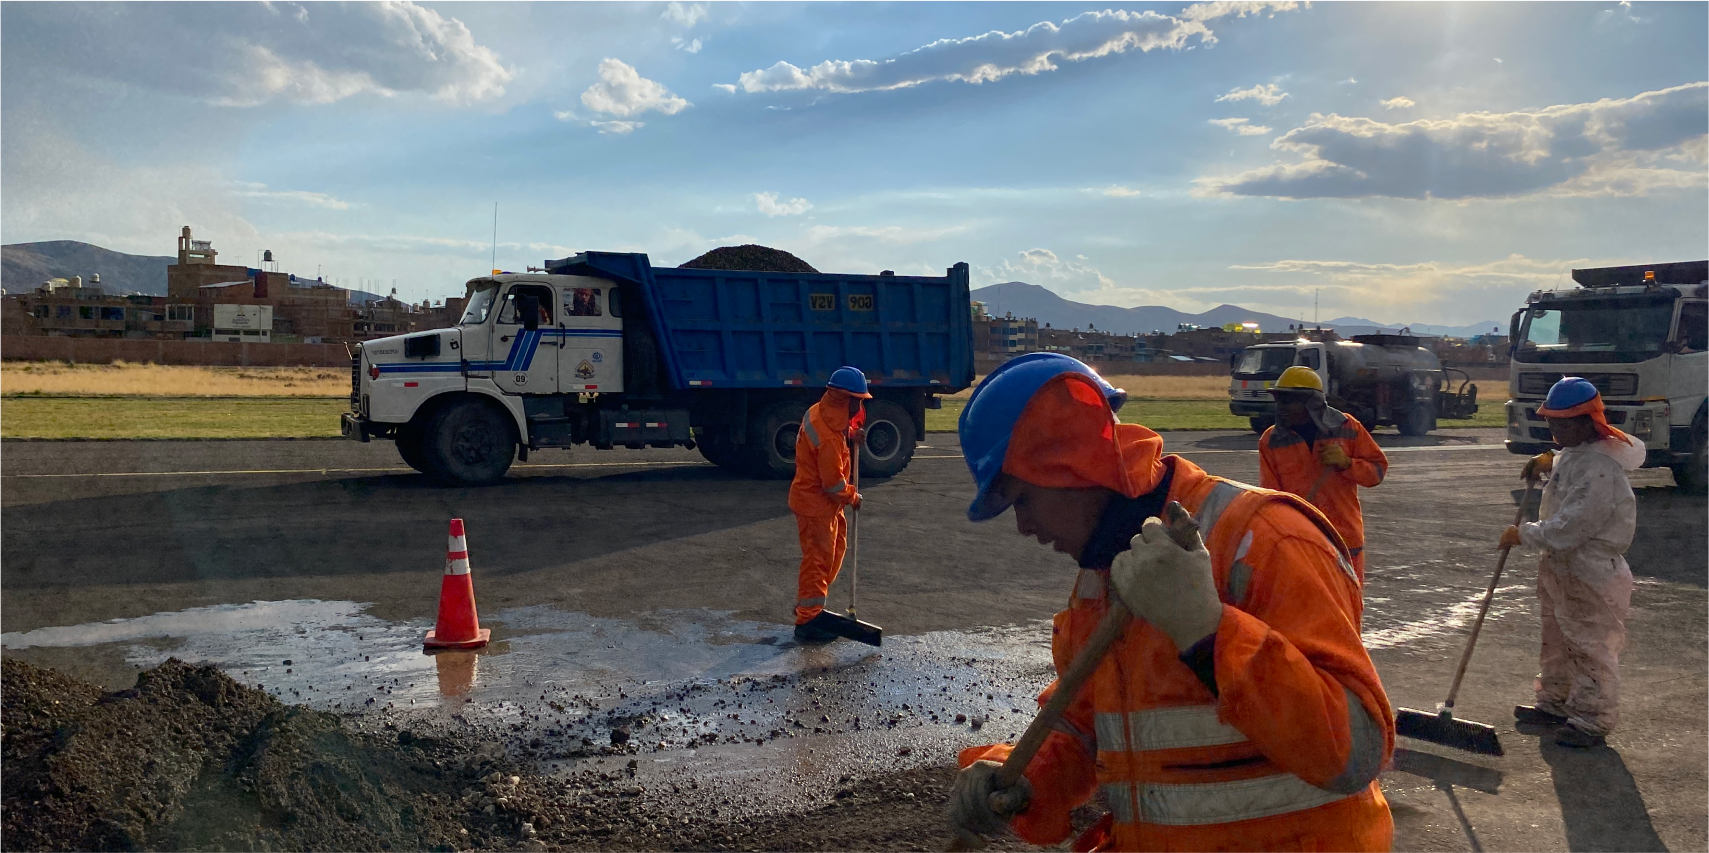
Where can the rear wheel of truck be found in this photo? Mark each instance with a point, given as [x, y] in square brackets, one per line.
[1417, 420]
[1261, 424]
[890, 440]
[409, 441]
[720, 448]
[771, 440]
[468, 443]
[1692, 475]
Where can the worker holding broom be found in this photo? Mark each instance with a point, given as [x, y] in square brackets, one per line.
[1238, 708]
[822, 487]
[1584, 586]
[1322, 455]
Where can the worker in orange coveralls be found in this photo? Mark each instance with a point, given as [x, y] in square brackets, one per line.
[821, 489]
[1322, 455]
[1239, 710]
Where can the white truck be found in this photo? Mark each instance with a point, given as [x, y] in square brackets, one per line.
[1381, 380]
[1641, 335]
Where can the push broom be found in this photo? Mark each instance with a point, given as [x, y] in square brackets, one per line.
[1441, 727]
[850, 627]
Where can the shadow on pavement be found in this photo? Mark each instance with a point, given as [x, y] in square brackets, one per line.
[364, 525]
[1600, 802]
[1669, 544]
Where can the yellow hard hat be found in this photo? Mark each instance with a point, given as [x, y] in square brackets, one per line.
[1299, 378]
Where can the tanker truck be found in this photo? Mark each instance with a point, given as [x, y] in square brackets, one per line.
[1381, 380]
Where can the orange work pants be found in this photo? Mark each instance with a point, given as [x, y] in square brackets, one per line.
[824, 538]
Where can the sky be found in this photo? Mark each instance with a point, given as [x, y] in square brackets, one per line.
[1403, 162]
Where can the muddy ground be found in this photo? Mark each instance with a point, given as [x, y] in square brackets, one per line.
[647, 591]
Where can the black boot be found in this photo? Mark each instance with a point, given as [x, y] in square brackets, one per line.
[813, 631]
[1528, 715]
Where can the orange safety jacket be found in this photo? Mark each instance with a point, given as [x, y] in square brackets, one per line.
[821, 486]
[1282, 756]
[1287, 463]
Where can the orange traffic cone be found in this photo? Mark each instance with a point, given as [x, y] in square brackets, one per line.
[459, 627]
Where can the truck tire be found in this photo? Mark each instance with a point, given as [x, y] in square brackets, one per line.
[1692, 475]
[719, 448]
[468, 443]
[1418, 420]
[890, 440]
[771, 440]
[409, 442]
[1261, 424]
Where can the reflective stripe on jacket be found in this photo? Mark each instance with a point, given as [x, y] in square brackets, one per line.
[1284, 755]
[1287, 463]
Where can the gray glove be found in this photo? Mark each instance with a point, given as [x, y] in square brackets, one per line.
[1168, 586]
[975, 803]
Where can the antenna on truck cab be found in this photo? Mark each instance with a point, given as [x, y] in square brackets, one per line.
[495, 238]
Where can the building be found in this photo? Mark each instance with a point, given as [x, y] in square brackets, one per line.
[71, 308]
[1009, 335]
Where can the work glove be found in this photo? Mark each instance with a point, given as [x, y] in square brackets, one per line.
[1168, 586]
[856, 502]
[1510, 537]
[1538, 465]
[977, 805]
[1333, 456]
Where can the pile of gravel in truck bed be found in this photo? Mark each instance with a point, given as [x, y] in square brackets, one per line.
[191, 760]
[750, 257]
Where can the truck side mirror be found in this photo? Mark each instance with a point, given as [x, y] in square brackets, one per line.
[528, 311]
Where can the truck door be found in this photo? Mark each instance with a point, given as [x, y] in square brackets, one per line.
[1688, 376]
[1312, 357]
[520, 363]
[589, 337]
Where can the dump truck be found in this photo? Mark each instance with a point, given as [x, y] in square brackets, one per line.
[1381, 380]
[1639, 333]
[606, 350]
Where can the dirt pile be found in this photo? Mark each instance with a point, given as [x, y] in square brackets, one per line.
[190, 759]
[749, 257]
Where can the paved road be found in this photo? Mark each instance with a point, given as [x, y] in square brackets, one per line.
[96, 531]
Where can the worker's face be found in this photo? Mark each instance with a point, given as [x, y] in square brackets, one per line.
[1572, 432]
[1061, 518]
[1291, 409]
[854, 406]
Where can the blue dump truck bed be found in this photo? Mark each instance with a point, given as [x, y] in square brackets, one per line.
[755, 330]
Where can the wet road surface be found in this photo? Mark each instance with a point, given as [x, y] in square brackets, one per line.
[648, 592]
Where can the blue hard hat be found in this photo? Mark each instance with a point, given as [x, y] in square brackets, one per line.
[849, 379]
[990, 415]
[1569, 392]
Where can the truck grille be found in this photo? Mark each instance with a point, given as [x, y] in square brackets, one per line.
[1609, 384]
[356, 382]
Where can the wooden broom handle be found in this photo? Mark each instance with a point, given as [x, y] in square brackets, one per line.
[1489, 594]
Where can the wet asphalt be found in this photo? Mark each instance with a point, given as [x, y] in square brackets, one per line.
[647, 592]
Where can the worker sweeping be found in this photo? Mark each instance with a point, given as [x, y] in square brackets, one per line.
[821, 489]
[1584, 586]
[1238, 709]
[1322, 455]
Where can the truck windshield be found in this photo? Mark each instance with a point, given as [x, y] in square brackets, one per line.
[480, 304]
[1595, 331]
[1261, 361]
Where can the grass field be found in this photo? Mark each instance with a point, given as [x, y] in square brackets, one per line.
[169, 417]
[53, 378]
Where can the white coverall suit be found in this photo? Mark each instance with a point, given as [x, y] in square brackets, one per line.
[1583, 583]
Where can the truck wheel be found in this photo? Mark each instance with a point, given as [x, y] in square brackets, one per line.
[1418, 420]
[1261, 424]
[409, 442]
[468, 444]
[1692, 475]
[890, 440]
[771, 440]
[718, 448]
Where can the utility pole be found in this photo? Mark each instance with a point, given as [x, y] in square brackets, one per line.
[1314, 318]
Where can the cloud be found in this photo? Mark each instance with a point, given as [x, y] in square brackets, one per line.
[260, 191]
[685, 15]
[893, 234]
[1390, 288]
[1115, 191]
[566, 115]
[725, 87]
[995, 55]
[770, 206]
[1239, 125]
[1608, 147]
[685, 46]
[1043, 267]
[1397, 103]
[245, 55]
[624, 92]
[620, 128]
[1268, 94]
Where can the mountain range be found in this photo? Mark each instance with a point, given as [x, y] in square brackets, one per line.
[1030, 300]
[24, 266]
